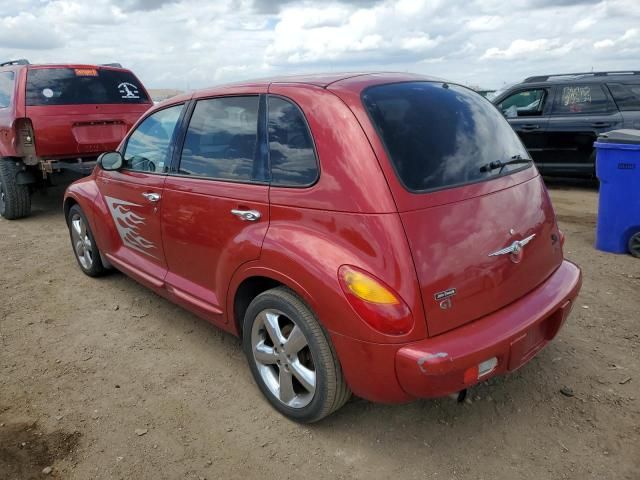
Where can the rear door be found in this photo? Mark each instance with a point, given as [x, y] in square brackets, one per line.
[133, 196]
[215, 211]
[580, 112]
[527, 111]
[82, 111]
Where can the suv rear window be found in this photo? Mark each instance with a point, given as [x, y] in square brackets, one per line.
[77, 86]
[439, 135]
[627, 96]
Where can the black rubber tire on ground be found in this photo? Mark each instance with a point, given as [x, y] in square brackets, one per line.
[331, 391]
[634, 245]
[15, 200]
[96, 268]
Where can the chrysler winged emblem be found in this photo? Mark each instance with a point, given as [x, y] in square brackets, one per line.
[515, 249]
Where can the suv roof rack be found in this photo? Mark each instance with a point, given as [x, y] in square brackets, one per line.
[544, 78]
[22, 61]
[116, 65]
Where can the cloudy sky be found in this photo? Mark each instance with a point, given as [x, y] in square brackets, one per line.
[195, 43]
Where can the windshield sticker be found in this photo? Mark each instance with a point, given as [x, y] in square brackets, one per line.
[86, 72]
[47, 92]
[128, 90]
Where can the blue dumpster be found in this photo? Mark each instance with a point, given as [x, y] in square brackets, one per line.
[618, 168]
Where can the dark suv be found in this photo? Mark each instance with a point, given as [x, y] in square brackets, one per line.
[558, 117]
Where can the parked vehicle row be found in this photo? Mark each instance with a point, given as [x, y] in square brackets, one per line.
[559, 117]
[59, 117]
[381, 234]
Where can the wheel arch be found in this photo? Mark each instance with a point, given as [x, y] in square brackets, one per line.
[67, 203]
[250, 282]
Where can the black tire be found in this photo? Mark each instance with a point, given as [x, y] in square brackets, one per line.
[634, 245]
[94, 267]
[331, 391]
[15, 200]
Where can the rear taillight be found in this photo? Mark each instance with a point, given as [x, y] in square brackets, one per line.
[375, 302]
[24, 131]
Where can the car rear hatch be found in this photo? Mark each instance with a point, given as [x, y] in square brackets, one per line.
[462, 210]
[82, 111]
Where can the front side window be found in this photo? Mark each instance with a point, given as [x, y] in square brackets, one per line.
[222, 139]
[626, 95]
[524, 104]
[149, 146]
[580, 99]
[439, 135]
[293, 160]
[6, 88]
[81, 86]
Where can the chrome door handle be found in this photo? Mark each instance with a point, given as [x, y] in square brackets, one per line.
[152, 197]
[247, 215]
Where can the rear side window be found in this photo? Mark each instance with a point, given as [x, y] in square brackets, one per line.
[221, 141]
[78, 86]
[439, 135]
[6, 88]
[293, 160]
[577, 99]
[627, 96]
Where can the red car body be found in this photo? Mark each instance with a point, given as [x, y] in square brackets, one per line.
[358, 213]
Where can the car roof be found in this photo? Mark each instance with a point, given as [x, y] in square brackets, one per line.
[16, 66]
[323, 80]
[586, 77]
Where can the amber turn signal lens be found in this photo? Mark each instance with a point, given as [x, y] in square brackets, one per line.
[366, 288]
[375, 302]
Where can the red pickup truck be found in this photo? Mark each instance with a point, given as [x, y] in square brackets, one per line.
[59, 117]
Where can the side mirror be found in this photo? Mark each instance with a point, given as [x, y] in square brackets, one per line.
[111, 161]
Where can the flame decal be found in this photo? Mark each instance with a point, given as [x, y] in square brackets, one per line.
[128, 224]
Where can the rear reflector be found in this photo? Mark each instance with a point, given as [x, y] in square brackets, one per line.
[487, 367]
[475, 373]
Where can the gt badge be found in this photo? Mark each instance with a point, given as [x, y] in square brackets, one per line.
[444, 298]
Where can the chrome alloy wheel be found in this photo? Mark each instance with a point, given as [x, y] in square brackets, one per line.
[81, 241]
[283, 358]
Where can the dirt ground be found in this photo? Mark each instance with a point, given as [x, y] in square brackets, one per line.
[103, 379]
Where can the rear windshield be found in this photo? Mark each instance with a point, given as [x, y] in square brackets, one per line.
[439, 135]
[76, 86]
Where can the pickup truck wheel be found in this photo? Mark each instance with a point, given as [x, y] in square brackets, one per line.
[291, 357]
[15, 200]
[83, 243]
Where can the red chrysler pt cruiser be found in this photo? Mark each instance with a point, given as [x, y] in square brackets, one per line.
[381, 234]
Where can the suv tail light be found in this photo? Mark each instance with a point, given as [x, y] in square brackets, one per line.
[24, 135]
[375, 302]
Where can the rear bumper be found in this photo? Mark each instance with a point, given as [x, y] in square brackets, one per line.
[513, 335]
[436, 366]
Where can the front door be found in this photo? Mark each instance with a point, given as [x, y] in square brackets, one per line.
[526, 112]
[133, 196]
[215, 210]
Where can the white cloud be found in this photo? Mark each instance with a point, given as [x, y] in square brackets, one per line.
[518, 48]
[485, 23]
[196, 43]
